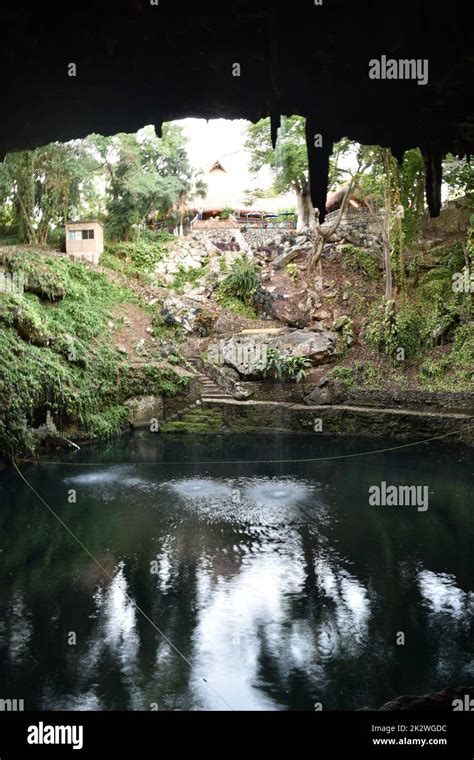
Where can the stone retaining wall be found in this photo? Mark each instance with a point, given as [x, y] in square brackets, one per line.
[334, 393]
[263, 417]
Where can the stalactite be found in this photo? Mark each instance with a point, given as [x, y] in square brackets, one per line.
[434, 175]
[275, 120]
[318, 165]
[398, 153]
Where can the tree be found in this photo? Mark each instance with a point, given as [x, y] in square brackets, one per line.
[147, 177]
[289, 159]
[399, 191]
[459, 176]
[45, 186]
[289, 162]
[321, 234]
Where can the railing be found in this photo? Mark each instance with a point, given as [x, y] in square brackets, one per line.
[265, 225]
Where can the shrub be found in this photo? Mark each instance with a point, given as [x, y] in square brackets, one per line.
[185, 276]
[235, 305]
[462, 353]
[368, 375]
[286, 368]
[389, 331]
[143, 254]
[345, 326]
[242, 281]
[358, 259]
[344, 374]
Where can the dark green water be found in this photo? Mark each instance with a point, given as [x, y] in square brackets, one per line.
[277, 582]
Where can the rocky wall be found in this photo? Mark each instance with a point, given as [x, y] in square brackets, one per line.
[263, 417]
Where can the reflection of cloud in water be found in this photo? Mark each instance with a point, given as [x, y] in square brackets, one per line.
[115, 633]
[85, 701]
[20, 629]
[167, 571]
[442, 595]
[228, 637]
[344, 623]
[247, 623]
[450, 609]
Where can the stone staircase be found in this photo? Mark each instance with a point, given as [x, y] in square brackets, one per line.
[211, 392]
[210, 389]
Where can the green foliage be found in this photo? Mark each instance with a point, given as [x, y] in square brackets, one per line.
[345, 375]
[109, 423]
[153, 379]
[242, 281]
[463, 347]
[236, 305]
[408, 186]
[184, 276]
[293, 272]
[441, 307]
[410, 330]
[451, 370]
[46, 186]
[59, 355]
[46, 276]
[368, 375]
[295, 368]
[136, 257]
[147, 177]
[359, 260]
[389, 331]
[289, 159]
[363, 374]
[459, 176]
[286, 368]
[345, 326]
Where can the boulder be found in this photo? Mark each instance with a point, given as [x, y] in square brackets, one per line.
[247, 354]
[329, 392]
[290, 303]
[242, 393]
[192, 316]
[302, 246]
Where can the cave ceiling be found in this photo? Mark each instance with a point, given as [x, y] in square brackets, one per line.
[140, 63]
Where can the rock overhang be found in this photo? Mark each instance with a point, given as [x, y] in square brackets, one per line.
[141, 62]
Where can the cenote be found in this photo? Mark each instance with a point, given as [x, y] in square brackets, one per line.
[273, 577]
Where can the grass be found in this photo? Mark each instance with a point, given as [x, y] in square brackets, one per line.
[236, 305]
[57, 353]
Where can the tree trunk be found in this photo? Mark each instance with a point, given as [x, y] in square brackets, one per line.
[300, 209]
[400, 231]
[310, 212]
[30, 231]
[323, 237]
[386, 227]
